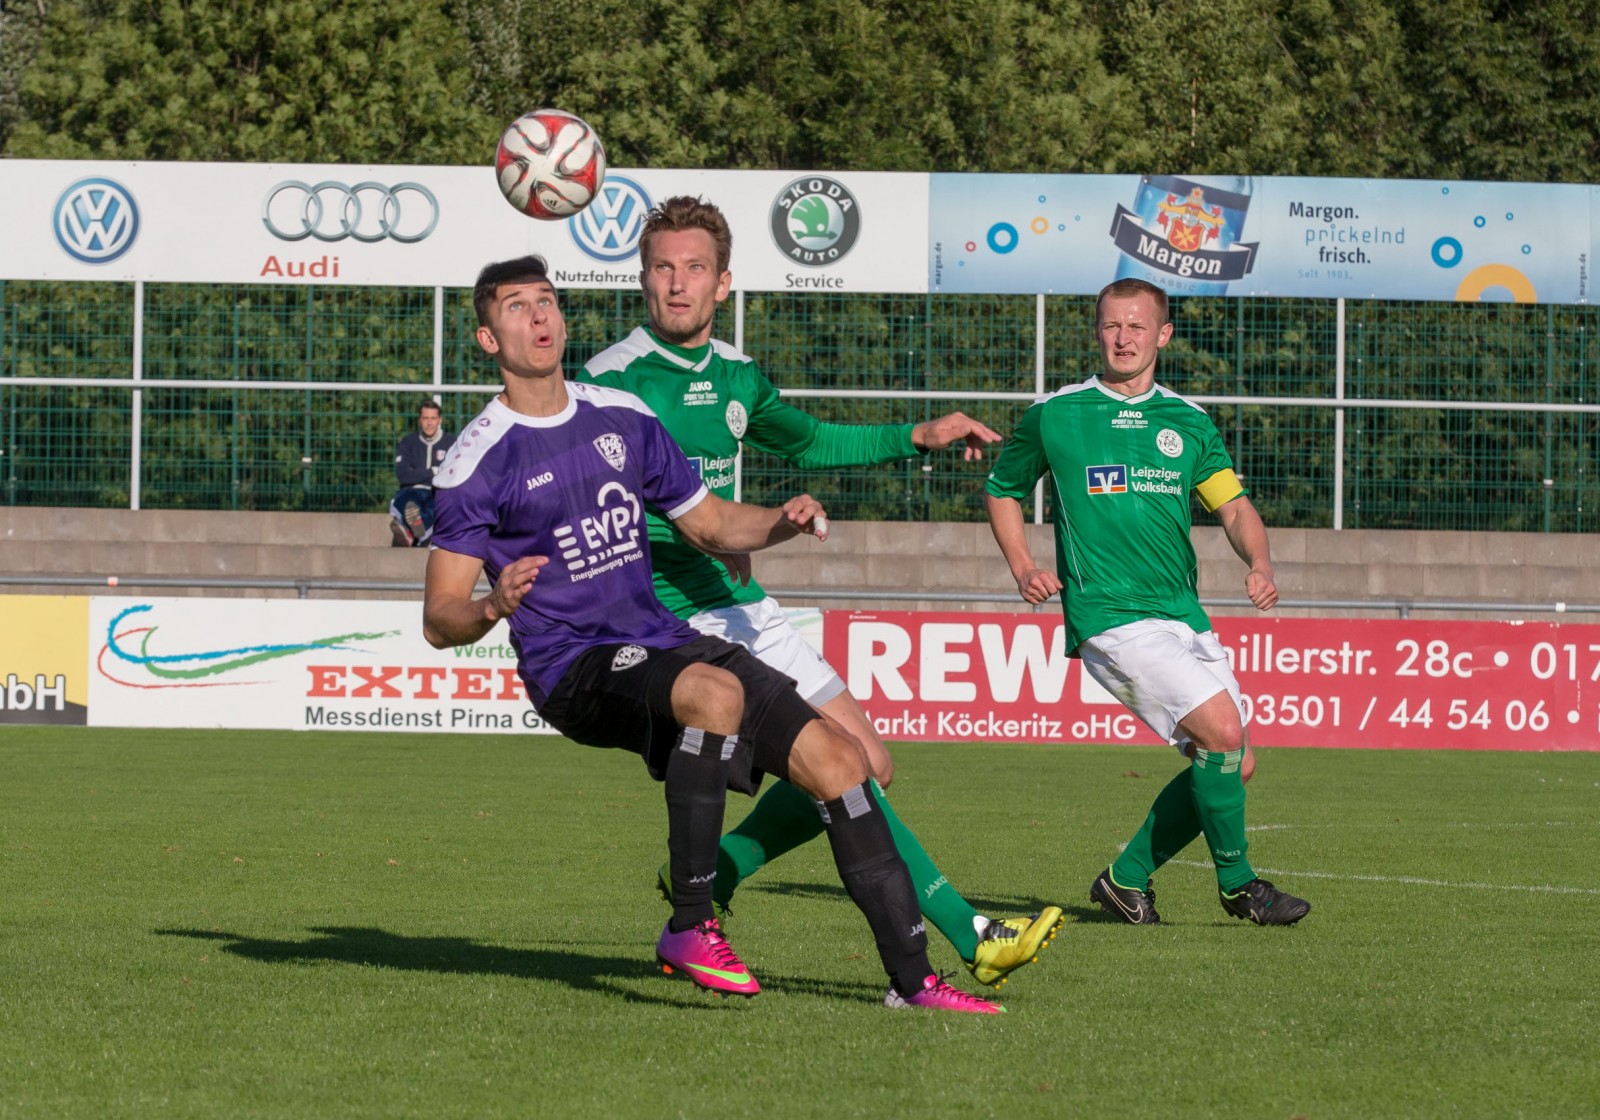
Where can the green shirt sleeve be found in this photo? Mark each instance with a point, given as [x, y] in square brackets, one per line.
[1022, 459]
[799, 438]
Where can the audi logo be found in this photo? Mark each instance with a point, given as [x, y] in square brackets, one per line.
[331, 211]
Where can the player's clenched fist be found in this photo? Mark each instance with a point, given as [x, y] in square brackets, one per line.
[1038, 584]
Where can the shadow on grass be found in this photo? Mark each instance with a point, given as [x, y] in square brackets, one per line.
[611, 975]
[995, 906]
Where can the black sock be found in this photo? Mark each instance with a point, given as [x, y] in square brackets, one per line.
[696, 782]
[877, 880]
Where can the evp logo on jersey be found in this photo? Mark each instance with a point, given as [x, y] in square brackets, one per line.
[607, 537]
[1111, 479]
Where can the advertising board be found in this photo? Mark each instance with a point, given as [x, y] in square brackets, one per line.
[1308, 682]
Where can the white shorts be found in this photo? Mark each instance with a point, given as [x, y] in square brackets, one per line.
[1162, 671]
[765, 630]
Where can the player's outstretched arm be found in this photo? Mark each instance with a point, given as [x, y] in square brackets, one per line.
[1035, 584]
[1247, 533]
[720, 526]
[451, 616]
[936, 435]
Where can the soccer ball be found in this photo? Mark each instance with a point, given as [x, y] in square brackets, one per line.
[550, 164]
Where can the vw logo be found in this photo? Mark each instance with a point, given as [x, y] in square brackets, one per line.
[330, 211]
[608, 228]
[96, 220]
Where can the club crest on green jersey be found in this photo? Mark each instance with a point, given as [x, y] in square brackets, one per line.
[1169, 443]
[738, 419]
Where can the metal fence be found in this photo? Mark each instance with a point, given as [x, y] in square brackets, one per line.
[1344, 414]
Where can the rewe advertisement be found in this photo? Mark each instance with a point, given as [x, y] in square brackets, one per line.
[998, 678]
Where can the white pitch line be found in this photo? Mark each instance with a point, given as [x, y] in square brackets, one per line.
[1408, 880]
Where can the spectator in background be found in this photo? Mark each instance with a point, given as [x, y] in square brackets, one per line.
[415, 460]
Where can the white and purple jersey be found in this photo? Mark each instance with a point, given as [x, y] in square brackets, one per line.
[572, 487]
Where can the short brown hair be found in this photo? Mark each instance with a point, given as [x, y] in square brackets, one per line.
[521, 269]
[683, 212]
[1128, 288]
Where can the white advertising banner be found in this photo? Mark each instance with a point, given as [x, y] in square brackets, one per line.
[301, 664]
[271, 223]
[295, 664]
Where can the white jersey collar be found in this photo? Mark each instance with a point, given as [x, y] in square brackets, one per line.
[1116, 396]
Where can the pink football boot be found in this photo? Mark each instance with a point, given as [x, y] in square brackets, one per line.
[703, 955]
[939, 996]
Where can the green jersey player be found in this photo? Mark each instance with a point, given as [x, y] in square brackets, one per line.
[1123, 454]
[712, 398]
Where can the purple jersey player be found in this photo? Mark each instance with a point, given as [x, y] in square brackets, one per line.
[545, 492]
[572, 487]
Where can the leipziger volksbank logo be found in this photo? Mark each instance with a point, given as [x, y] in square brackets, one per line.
[96, 220]
[815, 221]
[608, 228]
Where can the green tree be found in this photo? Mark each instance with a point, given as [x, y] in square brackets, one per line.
[1344, 63]
[286, 80]
[1012, 85]
[1509, 91]
[19, 36]
[1217, 86]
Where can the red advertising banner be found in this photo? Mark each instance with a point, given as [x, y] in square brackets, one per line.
[1306, 682]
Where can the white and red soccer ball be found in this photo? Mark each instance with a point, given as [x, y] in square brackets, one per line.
[550, 164]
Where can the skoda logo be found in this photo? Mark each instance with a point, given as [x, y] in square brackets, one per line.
[815, 220]
[330, 211]
[96, 220]
[608, 228]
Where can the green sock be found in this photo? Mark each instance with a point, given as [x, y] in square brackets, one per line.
[1169, 828]
[782, 820]
[950, 914]
[1219, 799]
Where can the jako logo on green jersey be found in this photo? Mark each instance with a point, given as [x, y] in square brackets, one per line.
[815, 221]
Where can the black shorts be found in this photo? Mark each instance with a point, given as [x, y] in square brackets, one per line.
[621, 696]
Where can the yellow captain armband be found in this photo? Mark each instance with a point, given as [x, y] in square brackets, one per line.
[1220, 489]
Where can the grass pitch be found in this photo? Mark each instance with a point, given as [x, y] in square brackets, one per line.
[203, 924]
